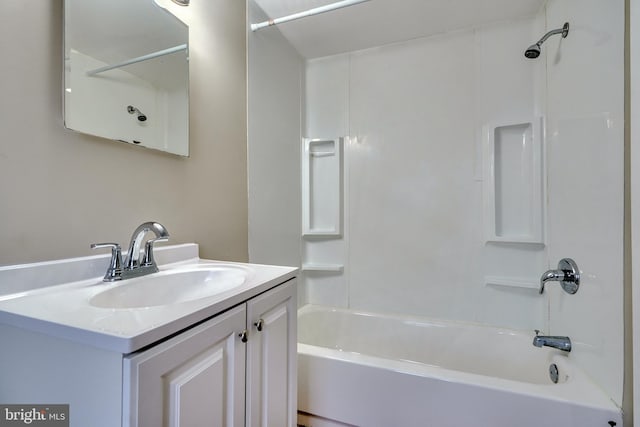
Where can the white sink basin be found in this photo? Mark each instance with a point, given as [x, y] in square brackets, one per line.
[171, 287]
[67, 299]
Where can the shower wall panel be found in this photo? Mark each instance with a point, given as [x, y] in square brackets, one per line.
[413, 112]
[586, 200]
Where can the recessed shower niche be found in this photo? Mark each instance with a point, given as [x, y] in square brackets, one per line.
[513, 182]
[322, 187]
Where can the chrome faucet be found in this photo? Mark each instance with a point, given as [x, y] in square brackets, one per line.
[567, 274]
[561, 343]
[132, 265]
[133, 256]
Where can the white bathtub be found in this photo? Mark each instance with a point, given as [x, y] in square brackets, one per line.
[372, 370]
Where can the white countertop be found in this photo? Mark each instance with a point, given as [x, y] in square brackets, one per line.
[64, 310]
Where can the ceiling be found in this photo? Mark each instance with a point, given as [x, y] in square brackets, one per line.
[380, 22]
[113, 31]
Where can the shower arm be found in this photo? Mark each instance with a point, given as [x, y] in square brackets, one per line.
[564, 31]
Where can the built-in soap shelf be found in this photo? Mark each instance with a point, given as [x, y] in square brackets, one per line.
[511, 282]
[322, 168]
[513, 174]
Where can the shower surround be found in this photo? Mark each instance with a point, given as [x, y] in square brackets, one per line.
[413, 240]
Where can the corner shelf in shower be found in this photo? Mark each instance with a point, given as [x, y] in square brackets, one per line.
[329, 268]
[513, 176]
[322, 187]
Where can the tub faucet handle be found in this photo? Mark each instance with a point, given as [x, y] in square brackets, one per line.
[567, 274]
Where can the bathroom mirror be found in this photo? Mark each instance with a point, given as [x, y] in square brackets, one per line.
[126, 75]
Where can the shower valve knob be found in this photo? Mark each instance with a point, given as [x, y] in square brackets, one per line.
[567, 274]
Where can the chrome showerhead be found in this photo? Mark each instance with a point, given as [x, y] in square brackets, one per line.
[534, 50]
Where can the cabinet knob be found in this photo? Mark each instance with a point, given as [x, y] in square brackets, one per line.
[243, 336]
[259, 324]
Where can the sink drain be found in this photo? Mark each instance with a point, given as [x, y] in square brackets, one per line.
[553, 373]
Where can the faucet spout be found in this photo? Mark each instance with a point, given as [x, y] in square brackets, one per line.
[133, 255]
[561, 343]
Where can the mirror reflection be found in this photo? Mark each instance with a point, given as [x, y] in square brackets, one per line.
[127, 73]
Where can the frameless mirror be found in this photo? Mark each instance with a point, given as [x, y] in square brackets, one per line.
[127, 73]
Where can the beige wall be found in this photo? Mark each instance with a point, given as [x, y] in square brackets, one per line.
[61, 191]
[275, 73]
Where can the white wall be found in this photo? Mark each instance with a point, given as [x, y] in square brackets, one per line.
[414, 110]
[175, 105]
[585, 145]
[62, 190]
[275, 85]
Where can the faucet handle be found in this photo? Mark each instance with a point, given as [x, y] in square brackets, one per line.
[114, 271]
[148, 260]
[105, 245]
[568, 274]
[537, 331]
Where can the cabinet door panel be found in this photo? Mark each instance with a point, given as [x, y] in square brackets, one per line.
[271, 358]
[196, 390]
[195, 379]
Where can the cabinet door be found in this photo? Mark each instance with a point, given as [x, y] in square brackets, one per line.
[195, 379]
[271, 358]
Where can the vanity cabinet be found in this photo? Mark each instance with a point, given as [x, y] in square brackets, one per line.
[193, 379]
[206, 375]
[236, 369]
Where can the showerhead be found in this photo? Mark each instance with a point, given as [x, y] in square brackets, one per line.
[133, 110]
[534, 50]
